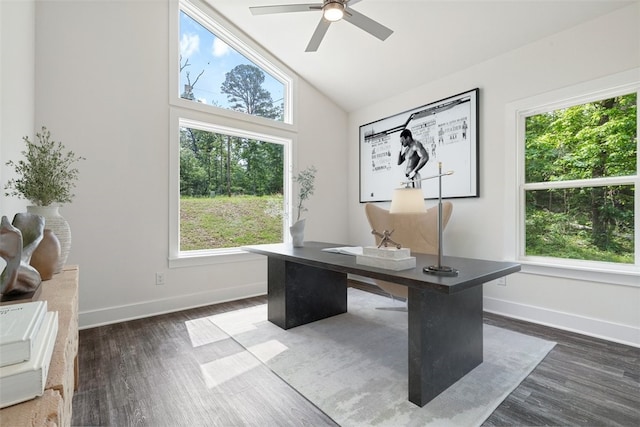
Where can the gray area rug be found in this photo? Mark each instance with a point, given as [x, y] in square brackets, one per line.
[354, 366]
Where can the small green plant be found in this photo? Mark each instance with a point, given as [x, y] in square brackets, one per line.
[46, 174]
[305, 180]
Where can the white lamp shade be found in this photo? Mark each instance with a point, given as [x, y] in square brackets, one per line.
[407, 200]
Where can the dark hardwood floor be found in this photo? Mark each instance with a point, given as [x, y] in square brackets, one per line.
[583, 381]
[161, 371]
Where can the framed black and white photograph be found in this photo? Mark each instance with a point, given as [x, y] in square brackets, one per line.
[393, 150]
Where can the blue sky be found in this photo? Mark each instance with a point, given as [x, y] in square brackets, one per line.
[207, 52]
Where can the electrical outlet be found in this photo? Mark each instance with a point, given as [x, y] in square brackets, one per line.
[501, 281]
[159, 278]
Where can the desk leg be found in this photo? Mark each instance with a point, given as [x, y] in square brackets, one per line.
[445, 340]
[300, 294]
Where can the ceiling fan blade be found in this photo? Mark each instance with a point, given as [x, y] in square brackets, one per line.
[318, 35]
[352, 2]
[285, 8]
[367, 24]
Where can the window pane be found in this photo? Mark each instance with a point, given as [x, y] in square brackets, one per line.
[231, 191]
[592, 223]
[212, 72]
[597, 139]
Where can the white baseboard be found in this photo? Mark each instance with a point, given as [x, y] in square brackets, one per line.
[609, 331]
[122, 313]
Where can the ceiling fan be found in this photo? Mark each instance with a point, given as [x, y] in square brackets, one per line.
[332, 11]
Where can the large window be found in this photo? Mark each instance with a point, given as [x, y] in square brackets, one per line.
[231, 190]
[580, 167]
[231, 136]
[214, 73]
[578, 178]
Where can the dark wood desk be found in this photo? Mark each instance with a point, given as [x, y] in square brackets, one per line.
[444, 313]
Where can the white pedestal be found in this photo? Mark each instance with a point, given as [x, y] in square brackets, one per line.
[387, 258]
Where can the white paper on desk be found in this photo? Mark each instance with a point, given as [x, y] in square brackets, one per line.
[345, 250]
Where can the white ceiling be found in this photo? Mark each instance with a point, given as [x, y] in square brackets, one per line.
[431, 39]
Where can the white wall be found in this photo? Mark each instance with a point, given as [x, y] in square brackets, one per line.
[608, 45]
[17, 45]
[102, 88]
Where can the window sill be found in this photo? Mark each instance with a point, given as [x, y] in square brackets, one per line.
[200, 258]
[628, 275]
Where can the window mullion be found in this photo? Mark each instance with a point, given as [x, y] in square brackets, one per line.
[581, 183]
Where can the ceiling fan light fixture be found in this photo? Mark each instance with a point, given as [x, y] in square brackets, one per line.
[333, 11]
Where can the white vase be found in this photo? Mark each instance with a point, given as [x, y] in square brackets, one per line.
[297, 233]
[60, 227]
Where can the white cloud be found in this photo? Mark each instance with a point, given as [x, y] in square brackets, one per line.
[189, 43]
[219, 48]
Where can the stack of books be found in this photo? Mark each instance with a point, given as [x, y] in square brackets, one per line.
[27, 337]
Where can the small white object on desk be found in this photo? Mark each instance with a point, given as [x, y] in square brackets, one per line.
[345, 250]
[387, 258]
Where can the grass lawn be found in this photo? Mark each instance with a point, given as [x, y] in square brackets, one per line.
[226, 222]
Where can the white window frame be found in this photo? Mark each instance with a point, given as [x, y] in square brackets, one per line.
[605, 272]
[186, 113]
[179, 119]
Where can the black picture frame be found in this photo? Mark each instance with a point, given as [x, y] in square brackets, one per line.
[449, 131]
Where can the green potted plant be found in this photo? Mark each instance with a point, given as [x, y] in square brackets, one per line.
[306, 186]
[46, 177]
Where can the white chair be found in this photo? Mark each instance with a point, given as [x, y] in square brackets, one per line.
[416, 231]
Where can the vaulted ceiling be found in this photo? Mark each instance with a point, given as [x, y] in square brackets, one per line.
[431, 39]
